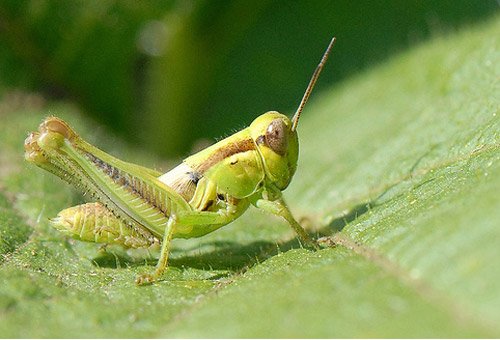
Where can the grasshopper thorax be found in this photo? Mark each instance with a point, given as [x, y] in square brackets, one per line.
[277, 145]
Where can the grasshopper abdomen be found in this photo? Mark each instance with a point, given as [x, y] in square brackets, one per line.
[93, 222]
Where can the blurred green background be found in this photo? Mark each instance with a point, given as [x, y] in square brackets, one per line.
[166, 75]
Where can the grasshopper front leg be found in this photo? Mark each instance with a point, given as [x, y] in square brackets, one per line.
[279, 208]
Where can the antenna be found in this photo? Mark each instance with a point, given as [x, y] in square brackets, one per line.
[312, 82]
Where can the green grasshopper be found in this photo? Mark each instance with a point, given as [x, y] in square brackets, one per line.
[139, 207]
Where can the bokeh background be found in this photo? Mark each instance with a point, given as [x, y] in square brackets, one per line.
[170, 75]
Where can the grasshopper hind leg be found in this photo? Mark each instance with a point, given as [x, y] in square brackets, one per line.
[93, 222]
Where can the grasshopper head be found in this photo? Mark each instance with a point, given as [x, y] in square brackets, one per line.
[276, 136]
[278, 146]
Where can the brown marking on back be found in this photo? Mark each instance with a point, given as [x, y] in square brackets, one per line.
[224, 152]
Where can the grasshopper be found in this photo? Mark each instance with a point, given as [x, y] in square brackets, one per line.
[139, 207]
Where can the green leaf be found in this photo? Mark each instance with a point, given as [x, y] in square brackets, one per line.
[399, 167]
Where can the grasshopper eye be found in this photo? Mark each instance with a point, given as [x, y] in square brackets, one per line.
[277, 137]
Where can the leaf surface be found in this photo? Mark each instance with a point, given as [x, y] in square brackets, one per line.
[399, 168]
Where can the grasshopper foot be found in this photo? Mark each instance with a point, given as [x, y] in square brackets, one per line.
[327, 242]
[145, 279]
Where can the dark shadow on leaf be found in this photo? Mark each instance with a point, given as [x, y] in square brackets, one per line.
[119, 260]
[339, 223]
[234, 256]
[229, 256]
[226, 256]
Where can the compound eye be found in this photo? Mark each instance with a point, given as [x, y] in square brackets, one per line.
[277, 136]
